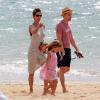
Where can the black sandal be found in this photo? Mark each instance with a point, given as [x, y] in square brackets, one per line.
[79, 54]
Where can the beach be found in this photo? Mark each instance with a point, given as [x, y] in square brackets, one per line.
[83, 80]
[77, 91]
[15, 18]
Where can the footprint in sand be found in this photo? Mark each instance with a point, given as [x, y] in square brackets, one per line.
[14, 92]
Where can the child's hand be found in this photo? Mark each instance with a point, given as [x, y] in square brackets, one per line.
[62, 51]
[61, 54]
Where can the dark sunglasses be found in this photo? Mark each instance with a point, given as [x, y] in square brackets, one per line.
[38, 15]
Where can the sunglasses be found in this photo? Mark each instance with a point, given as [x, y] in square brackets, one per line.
[38, 15]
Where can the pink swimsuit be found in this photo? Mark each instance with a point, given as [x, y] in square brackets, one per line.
[48, 71]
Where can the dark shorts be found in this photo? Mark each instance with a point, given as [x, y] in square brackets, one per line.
[66, 58]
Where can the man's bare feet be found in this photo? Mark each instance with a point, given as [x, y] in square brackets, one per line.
[64, 90]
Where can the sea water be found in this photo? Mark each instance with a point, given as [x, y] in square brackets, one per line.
[15, 17]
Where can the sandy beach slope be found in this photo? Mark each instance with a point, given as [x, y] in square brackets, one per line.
[77, 91]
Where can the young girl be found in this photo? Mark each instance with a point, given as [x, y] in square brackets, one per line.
[48, 72]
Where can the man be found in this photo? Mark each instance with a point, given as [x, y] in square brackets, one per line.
[64, 35]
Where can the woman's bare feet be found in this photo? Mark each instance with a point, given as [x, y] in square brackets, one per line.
[31, 90]
[53, 94]
[44, 93]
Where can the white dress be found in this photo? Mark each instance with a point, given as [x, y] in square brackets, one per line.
[35, 57]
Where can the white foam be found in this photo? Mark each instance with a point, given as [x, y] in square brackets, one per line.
[7, 29]
[97, 5]
[28, 9]
[13, 68]
[86, 13]
[92, 27]
[84, 73]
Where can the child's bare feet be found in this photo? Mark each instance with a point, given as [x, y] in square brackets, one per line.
[53, 94]
[49, 91]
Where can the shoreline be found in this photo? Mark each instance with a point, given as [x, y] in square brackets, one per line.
[77, 91]
[41, 82]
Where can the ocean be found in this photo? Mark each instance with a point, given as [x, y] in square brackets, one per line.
[16, 16]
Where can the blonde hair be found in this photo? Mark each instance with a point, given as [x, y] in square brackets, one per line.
[65, 11]
[53, 44]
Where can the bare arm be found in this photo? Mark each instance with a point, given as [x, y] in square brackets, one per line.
[48, 58]
[33, 29]
[73, 43]
[59, 36]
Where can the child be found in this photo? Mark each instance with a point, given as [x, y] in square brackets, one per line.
[48, 72]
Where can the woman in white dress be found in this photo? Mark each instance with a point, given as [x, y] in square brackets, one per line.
[35, 57]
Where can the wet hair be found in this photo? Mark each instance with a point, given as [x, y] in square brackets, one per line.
[53, 44]
[35, 11]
